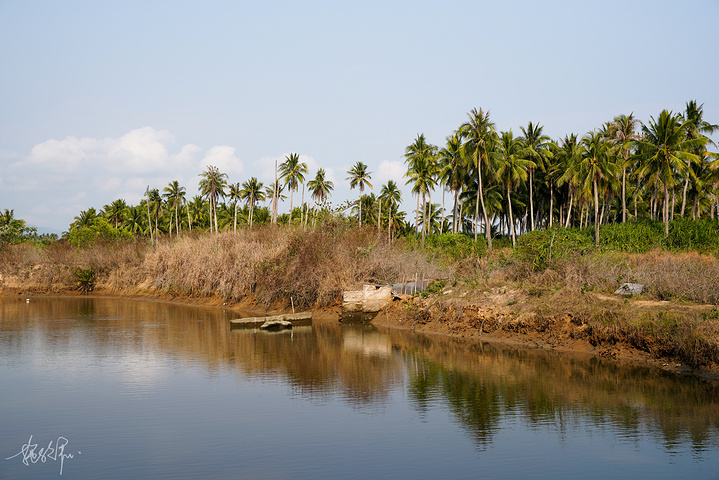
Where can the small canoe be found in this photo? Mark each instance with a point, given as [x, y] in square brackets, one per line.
[299, 318]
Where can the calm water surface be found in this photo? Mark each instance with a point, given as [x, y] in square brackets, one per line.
[142, 389]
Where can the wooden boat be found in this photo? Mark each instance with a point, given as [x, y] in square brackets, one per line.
[295, 318]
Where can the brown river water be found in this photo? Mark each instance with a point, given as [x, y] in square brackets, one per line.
[120, 388]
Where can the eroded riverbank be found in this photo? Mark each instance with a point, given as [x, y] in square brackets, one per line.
[557, 321]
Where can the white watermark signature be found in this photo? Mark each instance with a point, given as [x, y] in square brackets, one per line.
[55, 450]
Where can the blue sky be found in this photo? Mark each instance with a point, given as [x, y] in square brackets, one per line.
[100, 99]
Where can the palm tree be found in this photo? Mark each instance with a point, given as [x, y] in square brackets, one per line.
[422, 174]
[697, 128]
[621, 133]
[537, 151]
[212, 187]
[7, 216]
[512, 169]
[453, 171]
[592, 167]
[393, 197]
[175, 195]
[417, 157]
[86, 218]
[115, 212]
[480, 135]
[154, 202]
[359, 177]
[666, 152]
[252, 193]
[235, 197]
[293, 172]
[320, 188]
[196, 210]
[134, 220]
[567, 156]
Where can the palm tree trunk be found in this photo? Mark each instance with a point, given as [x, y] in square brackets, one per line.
[666, 209]
[551, 204]
[596, 212]
[455, 220]
[416, 215]
[189, 223]
[684, 197]
[292, 192]
[302, 210]
[424, 217]
[149, 221]
[234, 220]
[511, 218]
[569, 209]
[379, 215]
[441, 227]
[531, 195]
[624, 194]
[480, 193]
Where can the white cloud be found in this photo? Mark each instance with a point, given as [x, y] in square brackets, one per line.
[391, 170]
[76, 173]
[64, 154]
[223, 157]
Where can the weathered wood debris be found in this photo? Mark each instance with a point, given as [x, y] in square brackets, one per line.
[291, 318]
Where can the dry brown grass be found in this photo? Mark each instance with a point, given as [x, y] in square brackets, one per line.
[688, 276]
[275, 265]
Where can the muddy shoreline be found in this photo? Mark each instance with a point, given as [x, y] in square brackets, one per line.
[519, 322]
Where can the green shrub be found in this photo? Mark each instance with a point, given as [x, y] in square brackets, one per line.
[451, 246]
[85, 279]
[632, 237]
[542, 247]
[687, 234]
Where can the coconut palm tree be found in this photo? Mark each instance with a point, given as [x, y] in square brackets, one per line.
[567, 156]
[696, 128]
[293, 172]
[115, 212]
[320, 188]
[86, 218]
[196, 210]
[252, 193]
[175, 195]
[621, 133]
[595, 166]
[480, 135]
[512, 169]
[134, 220]
[235, 195]
[359, 177]
[212, 187]
[154, 202]
[536, 147]
[392, 196]
[423, 177]
[666, 152]
[417, 157]
[453, 171]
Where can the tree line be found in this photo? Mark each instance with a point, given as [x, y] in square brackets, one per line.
[499, 183]
[623, 170]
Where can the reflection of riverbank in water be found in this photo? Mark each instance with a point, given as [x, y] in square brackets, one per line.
[360, 360]
[484, 387]
[560, 324]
